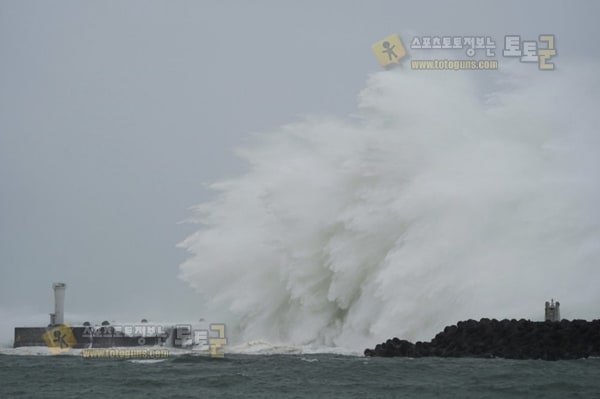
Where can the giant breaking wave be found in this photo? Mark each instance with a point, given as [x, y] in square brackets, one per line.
[448, 195]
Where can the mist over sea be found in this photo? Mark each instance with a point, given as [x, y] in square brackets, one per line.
[446, 196]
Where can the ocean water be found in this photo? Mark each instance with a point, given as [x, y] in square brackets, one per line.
[295, 376]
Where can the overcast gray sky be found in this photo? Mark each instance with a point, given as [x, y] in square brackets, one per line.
[114, 114]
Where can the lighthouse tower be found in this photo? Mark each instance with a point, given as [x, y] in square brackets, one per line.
[552, 311]
[58, 317]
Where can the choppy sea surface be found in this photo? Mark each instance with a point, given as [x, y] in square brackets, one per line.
[295, 376]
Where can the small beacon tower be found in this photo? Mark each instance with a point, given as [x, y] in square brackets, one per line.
[552, 311]
[58, 317]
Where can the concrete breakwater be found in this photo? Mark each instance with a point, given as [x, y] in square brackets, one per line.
[87, 337]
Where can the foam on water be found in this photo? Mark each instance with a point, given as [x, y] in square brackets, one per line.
[146, 361]
[33, 351]
[440, 199]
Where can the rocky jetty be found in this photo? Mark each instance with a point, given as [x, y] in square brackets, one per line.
[510, 339]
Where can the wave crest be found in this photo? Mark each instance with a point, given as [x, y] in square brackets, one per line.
[435, 202]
